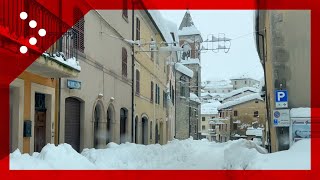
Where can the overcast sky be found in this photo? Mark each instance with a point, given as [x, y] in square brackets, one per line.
[242, 57]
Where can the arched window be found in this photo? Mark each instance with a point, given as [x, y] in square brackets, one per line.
[78, 20]
[124, 62]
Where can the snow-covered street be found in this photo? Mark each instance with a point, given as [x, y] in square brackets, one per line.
[178, 154]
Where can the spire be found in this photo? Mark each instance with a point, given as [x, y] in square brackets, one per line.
[187, 20]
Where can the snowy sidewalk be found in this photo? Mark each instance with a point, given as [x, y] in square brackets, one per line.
[184, 154]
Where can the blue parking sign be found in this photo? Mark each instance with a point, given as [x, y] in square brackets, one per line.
[281, 98]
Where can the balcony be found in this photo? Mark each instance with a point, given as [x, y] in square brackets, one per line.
[60, 57]
[212, 131]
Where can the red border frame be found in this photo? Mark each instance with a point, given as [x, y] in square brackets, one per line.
[312, 5]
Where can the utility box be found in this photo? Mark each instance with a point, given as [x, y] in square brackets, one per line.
[27, 127]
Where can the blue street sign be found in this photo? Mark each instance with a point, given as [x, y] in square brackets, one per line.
[281, 98]
[275, 121]
[72, 84]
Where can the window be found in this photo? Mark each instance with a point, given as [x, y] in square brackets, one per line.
[137, 82]
[164, 99]
[159, 94]
[150, 129]
[235, 126]
[125, 9]
[256, 114]
[256, 101]
[203, 118]
[245, 82]
[172, 96]
[152, 51]
[203, 127]
[182, 90]
[156, 94]
[124, 62]
[137, 29]
[78, 20]
[235, 82]
[152, 91]
[174, 39]
[235, 113]
[222, 114]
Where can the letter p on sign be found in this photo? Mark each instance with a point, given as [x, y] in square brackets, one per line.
[281, 95]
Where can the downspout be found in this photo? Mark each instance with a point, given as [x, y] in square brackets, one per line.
[60, 50]
[132, 74]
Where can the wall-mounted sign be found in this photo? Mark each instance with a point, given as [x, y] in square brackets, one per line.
[281, 118]
[73, 84]
[300, 129]
[281, 98]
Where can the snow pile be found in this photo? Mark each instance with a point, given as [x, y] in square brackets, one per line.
[296, 158]
[62, 156]
[254, 131]
[194, 97]
[210, 108]
[238, 154]
[183, 69]
[177, 154]
[300, 112]
[240, 100]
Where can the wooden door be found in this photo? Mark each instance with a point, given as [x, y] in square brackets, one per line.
[39, 130]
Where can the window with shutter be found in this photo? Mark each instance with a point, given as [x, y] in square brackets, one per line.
[137, 82]
[125, 9]
[151, 99]
[137, 29]
[124, 62]
[78, 19]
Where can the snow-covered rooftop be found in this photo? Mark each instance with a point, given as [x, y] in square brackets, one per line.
[194, 97]
[240, 100]
[254, 131]
[184, 69]
[241, 90]
[217, 84]
[162, 24]
[191, 30]
[210, 108]
[300, 112]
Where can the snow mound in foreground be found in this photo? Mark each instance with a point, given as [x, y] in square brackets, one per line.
[177, 154]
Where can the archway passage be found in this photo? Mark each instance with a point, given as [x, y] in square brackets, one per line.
[144, 130]
[110, 120]
[136, 133]
[98, 116]
[123, 124]
[72, 123]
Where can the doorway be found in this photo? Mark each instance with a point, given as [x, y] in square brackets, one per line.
[40, 122]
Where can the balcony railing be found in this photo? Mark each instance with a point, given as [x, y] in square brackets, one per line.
[19, 30]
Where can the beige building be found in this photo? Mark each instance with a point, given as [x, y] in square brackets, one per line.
[283, 44]
[209, 111]
[99, 110]
[244, 112]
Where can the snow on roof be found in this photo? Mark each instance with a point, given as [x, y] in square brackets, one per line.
[191, 61]
[184, 69]
[300, 112]
[241, 90]
[162, 24]
[194, 97]
[210, 108]
[240, 100]
[254, 131]
[191, 30]
[218, 84]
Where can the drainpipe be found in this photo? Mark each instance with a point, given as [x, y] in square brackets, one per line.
[132, 74]
[60, 50]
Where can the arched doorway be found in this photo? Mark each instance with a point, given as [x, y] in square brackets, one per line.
[161, 133]
[144, 130]
[136, 132]
[110, 121]
[156, 133]
[72, 122]
[98, 116]
[123, 124]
